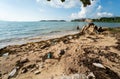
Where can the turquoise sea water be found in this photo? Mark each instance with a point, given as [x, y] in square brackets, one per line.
[20, 31]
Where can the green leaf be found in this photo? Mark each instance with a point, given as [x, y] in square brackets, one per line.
[84, 2]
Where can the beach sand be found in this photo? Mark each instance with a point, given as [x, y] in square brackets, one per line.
[69, 55]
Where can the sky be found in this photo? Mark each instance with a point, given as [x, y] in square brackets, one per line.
[35, 10]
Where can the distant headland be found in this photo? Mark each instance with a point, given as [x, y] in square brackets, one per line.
[102, 19]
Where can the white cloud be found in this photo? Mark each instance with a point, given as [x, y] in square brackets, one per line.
[92, 11]
[99, 7]
[59, 4]
[104, 14]
[37, 0]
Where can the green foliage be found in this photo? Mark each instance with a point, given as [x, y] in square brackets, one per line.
[78, 20]
[85, 2]
[107, 19]
[103, 19]
[61, 0]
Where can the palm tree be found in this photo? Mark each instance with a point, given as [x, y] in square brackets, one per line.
[85, 2]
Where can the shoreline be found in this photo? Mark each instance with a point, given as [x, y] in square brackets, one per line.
[80, 53]
[20, 41]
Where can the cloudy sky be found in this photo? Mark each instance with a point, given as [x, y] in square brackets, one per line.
[35, 10]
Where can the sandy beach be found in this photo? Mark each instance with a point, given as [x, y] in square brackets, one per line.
[66, 57]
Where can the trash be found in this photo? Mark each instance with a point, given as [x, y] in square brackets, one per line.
[91, 76]
[37, 72]
[74, 76]
[98, 65]
[5, 55]
[12, 73]
[49, 55]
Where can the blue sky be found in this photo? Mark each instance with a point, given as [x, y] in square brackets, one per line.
[35, 10]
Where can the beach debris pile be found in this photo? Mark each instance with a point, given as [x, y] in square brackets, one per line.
[91, 28]
[70, 57]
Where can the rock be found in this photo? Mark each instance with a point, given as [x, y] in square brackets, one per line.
[45, 46]
[76, 76]
[65, 41]
[91, 76]
[37, 66]
[41, 65]
[62, 52]
[100, 29]
[70, 37]
[91, 28]
[65, 77]
[37, 72]
[24, 70]
[12, 73]
[99, 65]
[30, 66]
[24, 60]
[20, 63]
[78, 28]
[32, 70]
[83, 76]
[0, 74]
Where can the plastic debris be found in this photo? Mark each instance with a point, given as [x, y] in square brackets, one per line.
[49, 55]
[5, 55]
[13, 72]
[99, 65]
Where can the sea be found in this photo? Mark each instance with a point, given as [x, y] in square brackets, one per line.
[15, 33]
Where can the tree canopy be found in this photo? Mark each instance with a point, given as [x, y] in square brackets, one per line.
[84, 2]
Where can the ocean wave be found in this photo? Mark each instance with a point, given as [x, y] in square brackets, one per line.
[54, 31]
[38, 29]
[12, 40]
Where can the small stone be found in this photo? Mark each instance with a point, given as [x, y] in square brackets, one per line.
[37, 66]
[91, 76]
[65, 41]
[70, 37]
[41, 65]
[62, 52]
[30, 66]
[32, 70]
[24, 70]
[24, 60]
[76, 76]
[37, 72]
